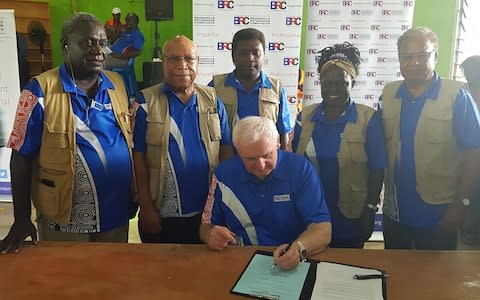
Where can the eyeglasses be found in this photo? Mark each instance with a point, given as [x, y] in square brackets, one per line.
[418, 57]
[175, 60]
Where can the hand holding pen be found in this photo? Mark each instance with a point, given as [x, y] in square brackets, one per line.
[286, 256]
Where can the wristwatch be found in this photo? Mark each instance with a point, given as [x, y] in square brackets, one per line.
[372, 207]
[466, 202]
[302, 251]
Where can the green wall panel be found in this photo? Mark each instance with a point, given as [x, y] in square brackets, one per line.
[438, 15]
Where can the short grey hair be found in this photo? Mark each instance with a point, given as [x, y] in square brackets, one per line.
[416, 32]
[251, 129]
[70, 25]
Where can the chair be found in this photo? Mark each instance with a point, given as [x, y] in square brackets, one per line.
[129, 78]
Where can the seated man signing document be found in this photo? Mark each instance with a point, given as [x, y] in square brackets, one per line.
[267, 197]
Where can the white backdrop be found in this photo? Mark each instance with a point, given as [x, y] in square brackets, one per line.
[372, 26]
[9, 93]
[215, 23]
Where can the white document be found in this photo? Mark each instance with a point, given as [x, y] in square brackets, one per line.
[335, 282]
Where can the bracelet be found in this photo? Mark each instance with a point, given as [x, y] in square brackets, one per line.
[302, 251]
[372, 207]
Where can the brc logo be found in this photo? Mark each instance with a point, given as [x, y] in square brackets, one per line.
[295, 21]
[379, 82]
[381, 59]
[290, 61]
[224, 46]
[307, 97]
[278, 5]
[310, 74]
[353, 36]
[226, 4]
[316, 82]
[241, 20]
[314, 3]
[383, 36]
[371, 74]
[369, 97]
[345, 27]
[323, 12]
[355, 12]
[373, 51]
[407, 3]
[347, 3]
[386, 12]
[292, 99]
[375, 27]
[311, 51]
[312, 27]
[405, 27]
[276, 46]
[321, 36]
[377, 3]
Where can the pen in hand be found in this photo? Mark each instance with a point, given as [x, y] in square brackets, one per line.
[369, 276]
[282, 253]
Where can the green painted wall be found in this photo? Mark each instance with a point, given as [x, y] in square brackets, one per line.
[438, 15]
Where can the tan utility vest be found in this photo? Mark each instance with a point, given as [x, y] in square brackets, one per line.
[437, 157]
[158, 131]
[55, 162]
[352, 159]
[268, 99]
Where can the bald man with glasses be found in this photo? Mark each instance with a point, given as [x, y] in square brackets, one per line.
[181, 133]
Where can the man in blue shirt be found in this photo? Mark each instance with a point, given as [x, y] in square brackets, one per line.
[181, 133]
[433, 146]
[266, 196]
[130, 43]
[248, 91]
[71, 146]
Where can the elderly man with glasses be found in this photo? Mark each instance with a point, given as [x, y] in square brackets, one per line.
[181, 133]
[433, 148]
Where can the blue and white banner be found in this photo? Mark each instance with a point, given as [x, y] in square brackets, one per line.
[9, 93]
[372, 26]
[215, 23]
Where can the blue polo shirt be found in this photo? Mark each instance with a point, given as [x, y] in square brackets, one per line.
[248, 101]
[186, 150]
[102, 166]
[412, 210]
[277, 209]
[132, 38]
[326, 138]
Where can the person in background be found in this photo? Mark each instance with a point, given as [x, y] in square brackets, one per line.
[181, 133]
[71, 147]
[266, 196]
[344, 141]
[248, 91]
[470, 233]
[130, 42]
[114, 26]
[433, 147]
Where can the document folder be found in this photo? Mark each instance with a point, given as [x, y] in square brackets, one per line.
[310, 280]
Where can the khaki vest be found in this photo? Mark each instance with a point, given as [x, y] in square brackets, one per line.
[268, 99]
[352, 159]
[437, 157]
[55, 162]
[158, 131]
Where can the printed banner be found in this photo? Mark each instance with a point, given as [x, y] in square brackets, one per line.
[372, 26]
[215, 23]
[9, 93]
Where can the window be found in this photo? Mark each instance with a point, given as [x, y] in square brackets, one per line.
[467, 42]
